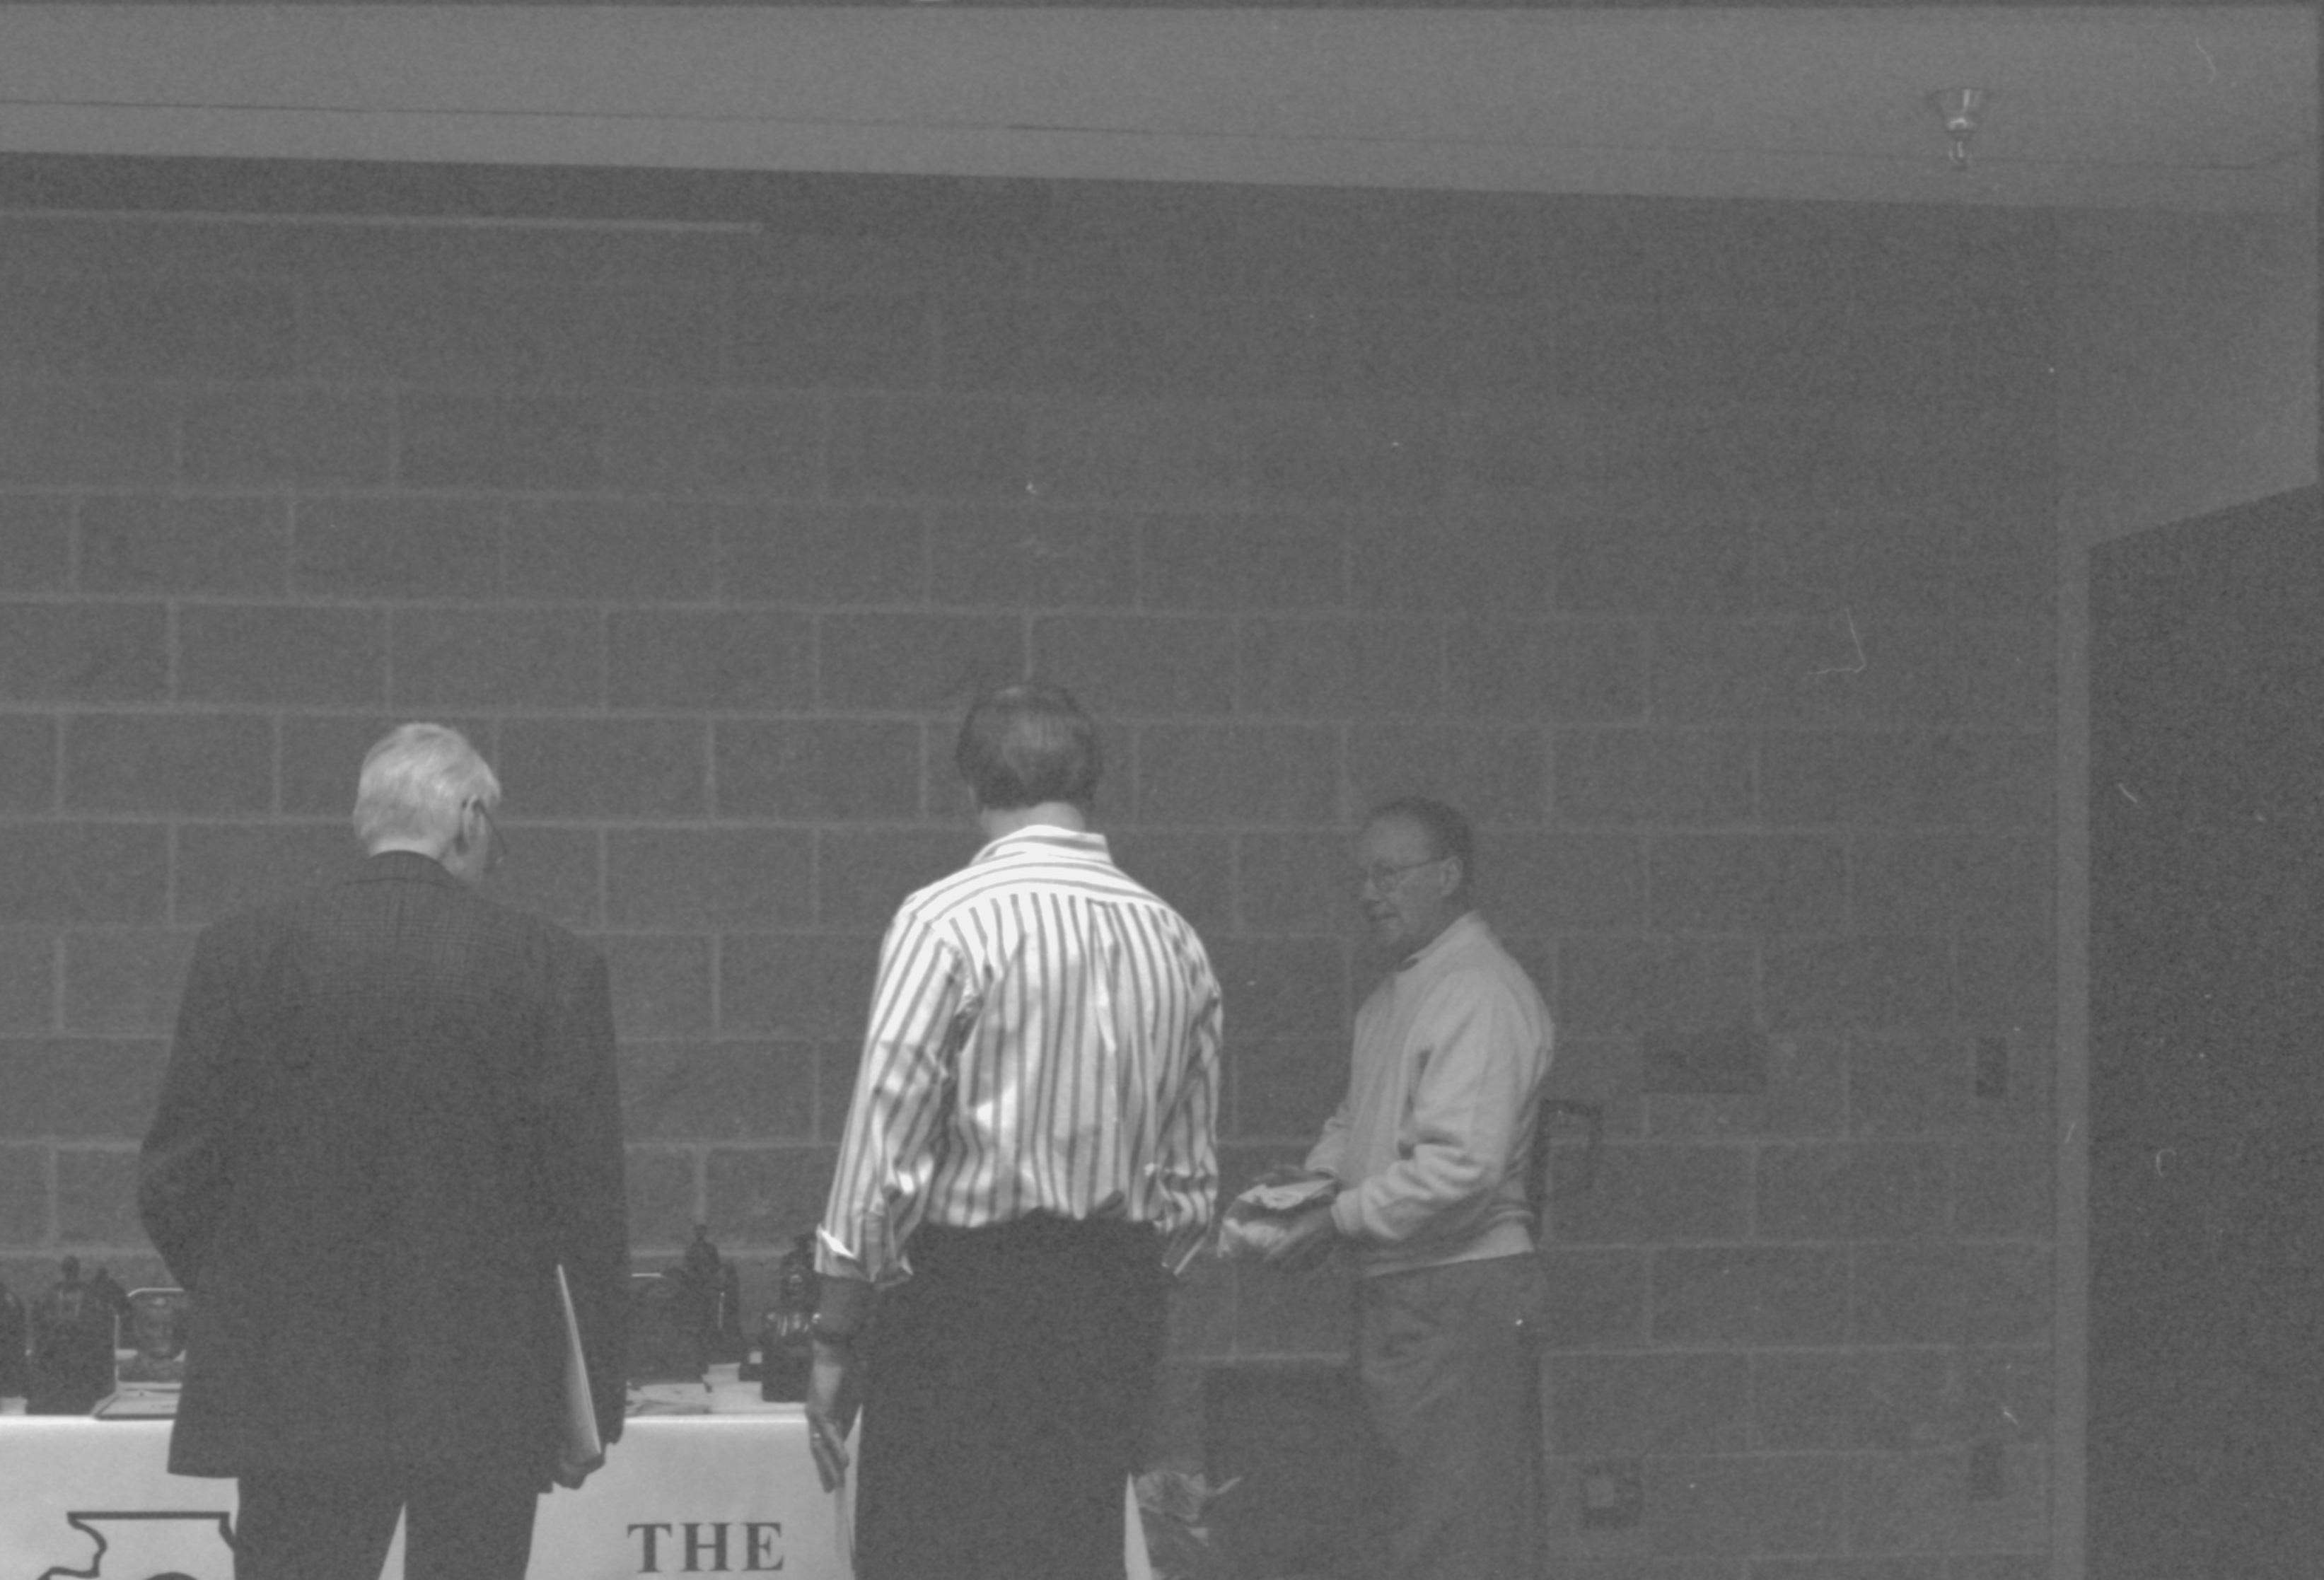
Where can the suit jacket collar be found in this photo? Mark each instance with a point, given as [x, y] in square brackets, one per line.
[404, 866]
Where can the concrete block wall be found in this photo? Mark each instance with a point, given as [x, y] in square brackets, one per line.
[1701, 551]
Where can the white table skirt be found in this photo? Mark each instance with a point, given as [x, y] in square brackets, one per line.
[731, 1491]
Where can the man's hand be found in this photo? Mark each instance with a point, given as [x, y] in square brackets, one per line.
[1307, 1242]
[572, 1473]
[830, 1401]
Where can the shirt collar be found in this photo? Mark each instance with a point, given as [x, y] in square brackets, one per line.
[1047, 839]
[1467, 924]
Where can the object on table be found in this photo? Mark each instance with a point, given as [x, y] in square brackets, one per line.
[786, 1345]
[156, 1327]
[665, 1342]
[72, 1347]
[1259, 1220]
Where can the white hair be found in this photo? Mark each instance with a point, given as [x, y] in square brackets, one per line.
[416, 783]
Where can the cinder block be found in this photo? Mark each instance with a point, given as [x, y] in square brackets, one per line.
[1803, 562]
[223, 867]
[124, 979]
[819, 769]
[1042, 559]
[928, 448]
[741, 442]
[987, 342]
[765, 1195]
[80, 1088]
[1564, 882]
[1851, 1190]
[1550, 671]
[194, 543]
[462, 438]
[1211, 775]
[918, 662]
[710, 879]
[1297, 883]
[1277, 562]
[661, 983]
[1137, 666]
[863, 876]
[1192, 872]
[1612, 983]
[664, 1188]
[823, 556]
[501, 657]
[36, 550]
[83, 652]
[1860, 778]
[2005, 1190]
[188, 762]
[690, 660]
[1650, 1404]
[1655, 1193]
[622, 550]
[1753, 1296]
[1878, 1401]
[1339, 667]
[262, 654]
[797, 986]
[25, 1205]
[272, 434]
[1121, 452]
[28, 981]
[453, 318]
[1520, 453]
[166, 325]
[1378, 458]
[1947, 882]
[1752, 1503]
[1637, 777]
[110, 435]
[662, 329]
[1740, 882]
[2010, 978]
[1857, 982]
[716, 1091]
[96, 1196]
[1494, 775]
[1283, 986]
[67, 872]
[1451, 351]
[814, 340]
[1949, 1294]
[1283, 1088]
[397, 547]
[28, 762]
[1662, 563]
[608, 768]
[1596, 1298]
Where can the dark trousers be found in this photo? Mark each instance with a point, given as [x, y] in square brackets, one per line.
[1006, 1388]
[1450, 1384]
[464, 1519]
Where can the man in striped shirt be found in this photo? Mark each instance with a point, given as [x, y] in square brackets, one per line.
[1028, 1161]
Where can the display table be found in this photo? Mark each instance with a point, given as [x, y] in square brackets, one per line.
[725, 1488]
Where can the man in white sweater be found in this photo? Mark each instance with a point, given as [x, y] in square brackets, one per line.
[1430, 1150]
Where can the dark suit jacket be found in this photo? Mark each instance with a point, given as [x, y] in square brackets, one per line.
[390, 1111]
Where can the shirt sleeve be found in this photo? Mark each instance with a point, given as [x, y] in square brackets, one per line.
[1186, 1165]
[186, 1165]
[1468, 1115]
[886, 1156]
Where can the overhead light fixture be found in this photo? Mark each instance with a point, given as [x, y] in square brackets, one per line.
[1962, 110]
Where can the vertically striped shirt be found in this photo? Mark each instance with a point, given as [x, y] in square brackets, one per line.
[1043, 1038]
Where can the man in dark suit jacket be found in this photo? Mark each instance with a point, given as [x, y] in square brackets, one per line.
[391, 1113]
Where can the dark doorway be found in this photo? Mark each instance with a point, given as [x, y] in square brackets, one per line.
[2206, 1049]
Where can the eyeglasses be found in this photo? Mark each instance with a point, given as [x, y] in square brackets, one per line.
[1381, 879]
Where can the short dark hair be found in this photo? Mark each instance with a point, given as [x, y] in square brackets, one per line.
[1448, 831]
[1027, 744]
